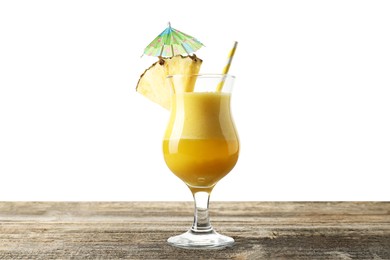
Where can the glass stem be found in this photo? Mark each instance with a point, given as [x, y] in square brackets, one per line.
[201, 217]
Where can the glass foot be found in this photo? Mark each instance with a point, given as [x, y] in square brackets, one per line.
[197, 240]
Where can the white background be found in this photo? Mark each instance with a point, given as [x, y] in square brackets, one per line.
[311, 101]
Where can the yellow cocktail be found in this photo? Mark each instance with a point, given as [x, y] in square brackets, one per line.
[200, 147]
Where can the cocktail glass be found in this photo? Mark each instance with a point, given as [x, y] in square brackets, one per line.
[200, 147]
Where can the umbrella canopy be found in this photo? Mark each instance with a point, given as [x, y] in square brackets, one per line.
[172, 42]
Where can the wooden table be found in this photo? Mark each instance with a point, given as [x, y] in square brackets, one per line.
[138, 230]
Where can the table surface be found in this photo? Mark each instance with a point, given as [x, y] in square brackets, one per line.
[138, 230]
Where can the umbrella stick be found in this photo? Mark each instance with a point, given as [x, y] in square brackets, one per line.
[162, 48]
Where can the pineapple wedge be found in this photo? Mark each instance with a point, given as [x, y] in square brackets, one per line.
[152, 82]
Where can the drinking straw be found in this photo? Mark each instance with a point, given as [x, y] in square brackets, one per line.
[227, 67]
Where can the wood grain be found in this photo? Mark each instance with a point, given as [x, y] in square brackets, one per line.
[138, 230]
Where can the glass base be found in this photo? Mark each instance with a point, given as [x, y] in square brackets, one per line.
[200, 240]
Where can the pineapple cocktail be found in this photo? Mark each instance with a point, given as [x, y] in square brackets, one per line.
[200, 147]
[200, 144]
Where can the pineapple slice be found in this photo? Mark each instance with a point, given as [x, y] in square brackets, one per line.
[152, 82]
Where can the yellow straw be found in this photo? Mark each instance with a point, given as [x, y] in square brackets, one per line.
[227, 67]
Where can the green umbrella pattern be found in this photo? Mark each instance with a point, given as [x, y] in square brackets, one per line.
[172, 42]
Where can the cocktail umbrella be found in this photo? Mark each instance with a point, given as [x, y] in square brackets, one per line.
[172, 42]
